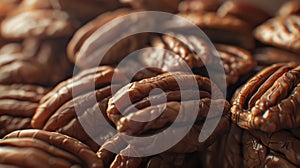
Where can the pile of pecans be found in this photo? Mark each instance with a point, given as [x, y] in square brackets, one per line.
[50, 82]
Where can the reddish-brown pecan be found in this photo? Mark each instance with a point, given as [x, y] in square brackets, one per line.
[284, 146]
[37, 148]
[289, 8]
[236, 61]
[254, 152]
[227, 150]
[199, 5]
[38, 24]
[17, 105]
[154, 5]
[268, 55]
[244, 11]
[177, 53]
[228, 29]
[269, 101]
[178, 98]
[189, 52]
[85, 56]
[88, 106]
[281, 31]
[82, 83]
[34, 62]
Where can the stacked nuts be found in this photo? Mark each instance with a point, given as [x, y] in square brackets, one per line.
[61, 107]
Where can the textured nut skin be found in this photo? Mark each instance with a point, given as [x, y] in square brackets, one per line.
[228, 30]
[65, 119]
[289, 8]
[38, 24]
[282, 32]
[270, 100]
[154, 5]
[17, 105]
[83, 50]
[37, 148]
[34, 62]
[244, 11]
[177, 53]
[137, 91]
[78, 85]
[139, 95]
[237, 62]
[199, 5]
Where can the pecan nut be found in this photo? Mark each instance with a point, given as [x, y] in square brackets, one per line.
[199, 6]
[281, 31]
[228, 29]
[37, 148]
[38, 24]
[270, 100]
[17, 105]
[289, 8]
[85, 56]
[244, 11]
[73, 87]
[34, 62]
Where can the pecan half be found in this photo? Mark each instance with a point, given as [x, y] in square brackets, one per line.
[268, 55]
[270, 100]
[85, 56]
[65, 119]
[244, 11]
[144, 106]
[283, 144]
[73, 87]
[199, 5]
[34, 62]
[237, 62]
[282, 32]
[228, 29]
[154, 5]
[37, 148]
[17, 105]
[289, 8]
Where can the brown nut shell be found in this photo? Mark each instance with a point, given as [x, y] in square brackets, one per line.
[289, 8]
[154, 5]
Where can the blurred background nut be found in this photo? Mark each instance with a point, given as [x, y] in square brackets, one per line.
[38, 24]
[228, 29]
[34, 61]
[289, 8]
[17, 105]
[84, 51]
[244, 11]
[199, 5]
[270, 100]
[154, 5]
[280, 31]
[37, 148]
